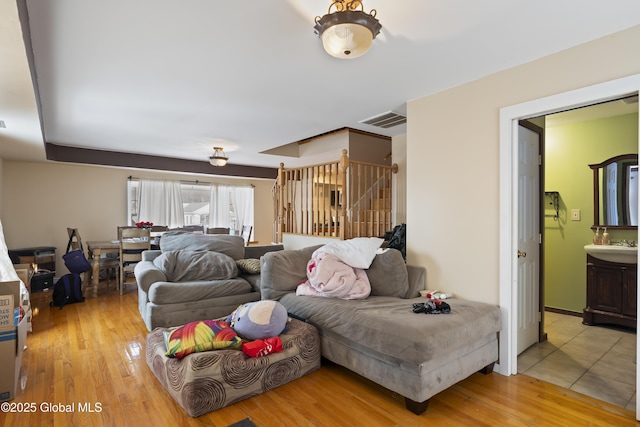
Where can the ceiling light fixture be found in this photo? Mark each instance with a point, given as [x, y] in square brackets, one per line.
[218, 158]
[348, 31]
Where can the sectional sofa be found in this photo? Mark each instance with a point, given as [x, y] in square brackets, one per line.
[416, 355]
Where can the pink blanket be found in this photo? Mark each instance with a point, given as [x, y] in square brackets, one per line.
[327, 276]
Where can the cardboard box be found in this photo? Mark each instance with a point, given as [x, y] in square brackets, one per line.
[11, 348]
[13, 288]
[12, 341]
[6, 312]
[27, 259]
[24, 273]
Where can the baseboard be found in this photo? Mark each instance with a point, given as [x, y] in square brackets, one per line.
[563, 311]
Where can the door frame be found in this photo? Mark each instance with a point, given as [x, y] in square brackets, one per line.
[509, 118]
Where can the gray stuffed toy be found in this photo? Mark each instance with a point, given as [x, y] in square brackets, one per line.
[259, 320]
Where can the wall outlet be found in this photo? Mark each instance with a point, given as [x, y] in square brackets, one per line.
[575, 215]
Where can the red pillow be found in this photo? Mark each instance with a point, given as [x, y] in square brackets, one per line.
[263, 347]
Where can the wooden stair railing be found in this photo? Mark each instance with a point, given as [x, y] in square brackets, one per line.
[341, 199]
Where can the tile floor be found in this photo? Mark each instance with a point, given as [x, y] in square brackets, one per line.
[598, 361]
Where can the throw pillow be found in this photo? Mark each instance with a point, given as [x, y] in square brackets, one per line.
[249, 265]
[282, 271]
[201, 335]
[185, 266]
[259, 320]
[388, 275]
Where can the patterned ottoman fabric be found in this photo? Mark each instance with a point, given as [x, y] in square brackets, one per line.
[207, 381]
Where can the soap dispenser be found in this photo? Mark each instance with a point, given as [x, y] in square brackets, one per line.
[596, 237]
[605, 237]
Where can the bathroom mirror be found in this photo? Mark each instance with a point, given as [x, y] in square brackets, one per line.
[615, 192]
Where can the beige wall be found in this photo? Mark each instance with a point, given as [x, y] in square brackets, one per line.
[40, 200]
[369, 149]
[453, 160]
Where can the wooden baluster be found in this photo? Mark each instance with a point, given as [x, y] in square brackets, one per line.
[342, 217]
[281, 189]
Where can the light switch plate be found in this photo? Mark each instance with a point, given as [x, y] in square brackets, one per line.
[575, 215]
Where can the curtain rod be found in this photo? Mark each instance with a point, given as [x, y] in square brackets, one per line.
[183, 181]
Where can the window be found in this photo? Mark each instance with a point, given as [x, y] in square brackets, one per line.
[195, 204]
[177, 204]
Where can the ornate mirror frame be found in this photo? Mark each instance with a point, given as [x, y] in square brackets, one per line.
[596, 190]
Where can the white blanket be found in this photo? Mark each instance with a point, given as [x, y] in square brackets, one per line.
[357, 253]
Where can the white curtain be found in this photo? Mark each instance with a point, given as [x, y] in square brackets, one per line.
[219, 212]
[161, 203]
[242, 200]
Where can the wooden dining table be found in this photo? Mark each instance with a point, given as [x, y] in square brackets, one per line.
[97, 248]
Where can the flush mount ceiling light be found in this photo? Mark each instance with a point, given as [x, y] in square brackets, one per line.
[218, 158]
[347, 31]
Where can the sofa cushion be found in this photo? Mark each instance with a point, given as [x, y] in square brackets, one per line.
[185, 265]
[388, 275]
[389, 327]
[170, 293]
[201, 335]
[282, 271]
[226, 244]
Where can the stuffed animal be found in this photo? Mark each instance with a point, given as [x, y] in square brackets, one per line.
[259, 320]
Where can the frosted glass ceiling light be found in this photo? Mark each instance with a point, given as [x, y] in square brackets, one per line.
[218, 158]
[348, 31]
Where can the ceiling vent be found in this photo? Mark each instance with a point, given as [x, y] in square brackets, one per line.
[386, 120]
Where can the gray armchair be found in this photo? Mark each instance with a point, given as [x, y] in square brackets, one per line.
[163, 302]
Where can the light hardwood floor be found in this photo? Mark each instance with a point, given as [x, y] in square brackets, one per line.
[93, 353]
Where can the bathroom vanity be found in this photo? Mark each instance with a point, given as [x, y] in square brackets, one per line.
[611, 292]
[612, 269]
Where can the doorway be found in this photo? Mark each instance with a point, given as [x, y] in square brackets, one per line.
[509, 117]
[594, 360]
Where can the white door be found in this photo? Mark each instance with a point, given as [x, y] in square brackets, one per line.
[528, 238]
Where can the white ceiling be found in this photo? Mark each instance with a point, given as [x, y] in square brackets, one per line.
[175, 78]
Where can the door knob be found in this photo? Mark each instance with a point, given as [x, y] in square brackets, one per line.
[522, 254]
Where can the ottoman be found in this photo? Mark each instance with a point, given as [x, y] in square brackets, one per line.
[207, 381]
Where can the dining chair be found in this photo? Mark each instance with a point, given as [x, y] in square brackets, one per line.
[195, 228]
[218, 230]
[133, 241]
[109, 265]
[122, 227]
[246, 233]
[198, 229]
[156, 232]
